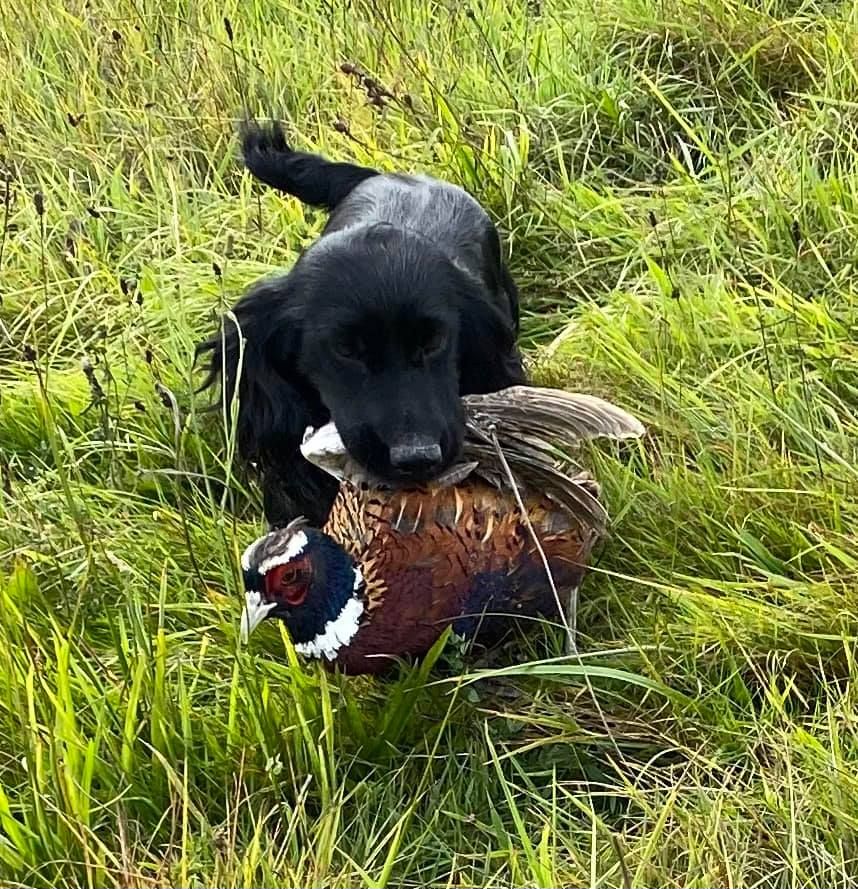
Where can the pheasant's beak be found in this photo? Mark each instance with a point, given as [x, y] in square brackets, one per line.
[255, 611]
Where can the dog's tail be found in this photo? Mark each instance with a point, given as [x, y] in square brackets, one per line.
[308, 177]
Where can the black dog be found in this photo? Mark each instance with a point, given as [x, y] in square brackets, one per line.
[403, 304]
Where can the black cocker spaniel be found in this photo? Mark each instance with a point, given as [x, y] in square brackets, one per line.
[402, 305]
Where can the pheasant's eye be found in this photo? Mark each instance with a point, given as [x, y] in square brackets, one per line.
[288, 583]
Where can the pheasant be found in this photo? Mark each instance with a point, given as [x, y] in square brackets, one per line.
[392, 567]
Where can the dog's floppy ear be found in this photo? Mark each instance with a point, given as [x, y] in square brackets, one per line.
[256, 351]
[497, 275]
[489, 359]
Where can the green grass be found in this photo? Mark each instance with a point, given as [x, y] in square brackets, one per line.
[677, 184]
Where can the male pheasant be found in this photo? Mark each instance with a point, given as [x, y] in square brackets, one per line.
[393, 567]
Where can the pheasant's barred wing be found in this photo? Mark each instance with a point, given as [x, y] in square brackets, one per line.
[534, 469]
[532, 427]
[570, 417]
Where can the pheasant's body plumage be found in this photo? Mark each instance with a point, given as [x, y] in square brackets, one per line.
[392, 568]
[438, 555]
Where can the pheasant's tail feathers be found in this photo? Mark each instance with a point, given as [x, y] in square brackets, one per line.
[569, 417]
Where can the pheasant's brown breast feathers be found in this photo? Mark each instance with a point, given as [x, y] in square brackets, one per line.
[451, 532]
[459, 554]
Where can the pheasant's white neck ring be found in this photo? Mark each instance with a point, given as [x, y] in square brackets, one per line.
[337, 633]
[341, 630]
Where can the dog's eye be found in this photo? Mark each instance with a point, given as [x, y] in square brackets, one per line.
[433, 343]
[350, 349]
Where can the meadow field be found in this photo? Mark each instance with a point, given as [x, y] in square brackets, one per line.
[677, 187]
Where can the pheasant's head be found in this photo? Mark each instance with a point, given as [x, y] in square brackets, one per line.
[310, 582]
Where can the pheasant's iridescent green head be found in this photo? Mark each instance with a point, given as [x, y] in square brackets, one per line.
[307, 580]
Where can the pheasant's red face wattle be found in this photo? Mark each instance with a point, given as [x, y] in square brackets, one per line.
[289, 583]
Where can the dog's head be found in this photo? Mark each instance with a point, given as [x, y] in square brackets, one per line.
[372, 327]
[381, 344]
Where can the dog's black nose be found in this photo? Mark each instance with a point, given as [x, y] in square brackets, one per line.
[416, 456]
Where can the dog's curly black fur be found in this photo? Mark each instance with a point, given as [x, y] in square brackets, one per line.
[401, 305]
